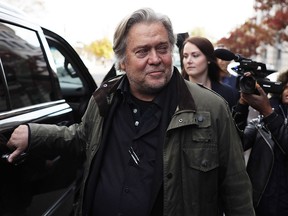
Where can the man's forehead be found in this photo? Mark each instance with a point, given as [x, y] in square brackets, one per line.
[148, 29]
[148, 33]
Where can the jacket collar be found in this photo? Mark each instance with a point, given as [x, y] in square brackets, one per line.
[105, 93]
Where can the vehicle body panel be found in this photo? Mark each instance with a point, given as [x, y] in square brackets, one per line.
[33, 89]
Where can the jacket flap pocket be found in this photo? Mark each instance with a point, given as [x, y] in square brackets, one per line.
[203, 159]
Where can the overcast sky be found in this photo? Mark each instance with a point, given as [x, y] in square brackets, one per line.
[88, 20]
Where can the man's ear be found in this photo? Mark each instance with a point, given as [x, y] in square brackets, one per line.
[122, 66]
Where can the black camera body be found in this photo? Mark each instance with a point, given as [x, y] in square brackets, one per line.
[247, 84]
[259, 73]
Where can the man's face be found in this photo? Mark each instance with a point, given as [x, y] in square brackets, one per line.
[223, 65]
[148, 62]
[285, 95]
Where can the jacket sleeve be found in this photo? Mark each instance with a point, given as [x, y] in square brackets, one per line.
[249, 136]
[246, 131]
[53, 139]
[236, 186]
[240, 115]
[275, 123]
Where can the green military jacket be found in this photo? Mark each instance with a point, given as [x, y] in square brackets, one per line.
[203, 163]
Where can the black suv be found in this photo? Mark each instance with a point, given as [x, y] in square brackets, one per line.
[43, 80]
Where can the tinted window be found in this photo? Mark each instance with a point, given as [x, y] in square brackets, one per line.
[65, 71]
[3, 104]
[24, 66]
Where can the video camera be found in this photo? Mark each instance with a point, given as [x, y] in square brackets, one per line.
[259, 73]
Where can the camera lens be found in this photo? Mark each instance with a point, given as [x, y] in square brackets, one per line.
[247, 84]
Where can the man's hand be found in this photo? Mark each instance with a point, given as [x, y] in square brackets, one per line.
[18, 142]
[259, 102]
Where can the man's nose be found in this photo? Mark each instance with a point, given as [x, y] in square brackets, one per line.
[154, 57]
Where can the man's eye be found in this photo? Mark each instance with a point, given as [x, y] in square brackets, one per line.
[163, 50]
[141, 53]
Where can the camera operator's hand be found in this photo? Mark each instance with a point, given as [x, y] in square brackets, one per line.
[259, 102]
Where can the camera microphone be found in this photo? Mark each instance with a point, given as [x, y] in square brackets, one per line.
[227, 55]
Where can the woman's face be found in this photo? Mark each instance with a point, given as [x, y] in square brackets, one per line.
[285, 95]
[194, 61]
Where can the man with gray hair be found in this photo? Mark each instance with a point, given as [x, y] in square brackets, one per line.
[154, 143]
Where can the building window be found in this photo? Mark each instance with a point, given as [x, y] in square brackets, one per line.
[279, 54]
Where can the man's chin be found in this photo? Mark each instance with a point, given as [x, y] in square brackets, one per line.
[156, 86]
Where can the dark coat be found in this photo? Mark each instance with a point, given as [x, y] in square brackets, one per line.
[203, 164]
[230, 94]
[267, 165]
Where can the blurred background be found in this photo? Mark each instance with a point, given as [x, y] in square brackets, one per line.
[255, 29]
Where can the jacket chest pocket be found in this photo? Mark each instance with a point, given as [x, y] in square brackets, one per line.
[202, 159]
[200, 150]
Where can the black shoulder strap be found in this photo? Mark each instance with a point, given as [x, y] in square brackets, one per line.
[265, 135]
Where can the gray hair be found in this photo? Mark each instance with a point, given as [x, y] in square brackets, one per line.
[139, 16]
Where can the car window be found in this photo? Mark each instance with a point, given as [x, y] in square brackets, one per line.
[24, 67]
[3, 104]
[65, 71]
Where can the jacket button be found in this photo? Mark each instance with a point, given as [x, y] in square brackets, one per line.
[126, 190]
[200, 118]
[169, 175]
[204, 163]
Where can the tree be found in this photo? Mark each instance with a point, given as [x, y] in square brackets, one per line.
[278, 24]
[271, 29]
[267, 5]
[246, 38]
[198, 31]
[275, 17]
[100, 48]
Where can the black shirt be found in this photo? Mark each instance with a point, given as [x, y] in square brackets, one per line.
[127, 173]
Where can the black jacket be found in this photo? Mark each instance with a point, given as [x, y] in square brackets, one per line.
[230, 94]
[267, 165]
